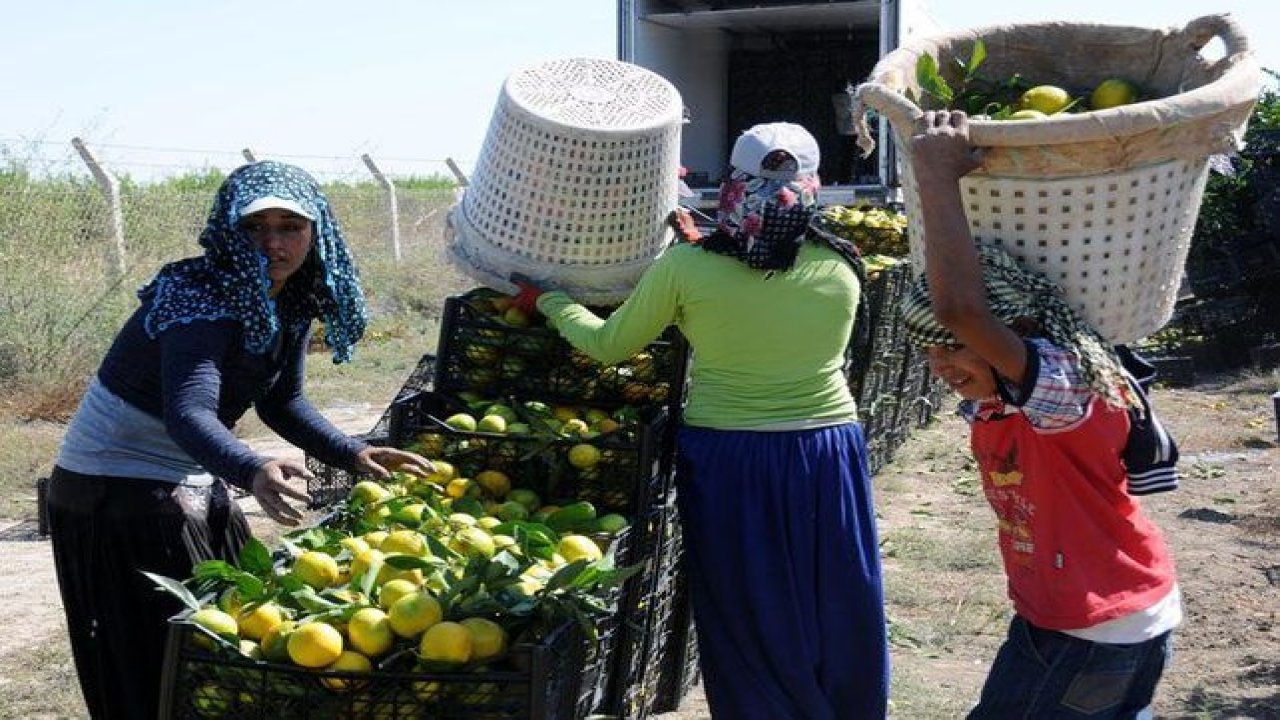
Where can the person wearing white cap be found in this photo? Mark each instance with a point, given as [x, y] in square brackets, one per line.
[140, 483]
[773, 488]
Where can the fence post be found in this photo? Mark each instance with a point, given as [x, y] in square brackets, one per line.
[392, 205]
[457, 172]
[110, 187]
[248, 155]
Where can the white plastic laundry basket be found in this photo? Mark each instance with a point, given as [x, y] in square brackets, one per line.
[575, 180]
[1104, 203]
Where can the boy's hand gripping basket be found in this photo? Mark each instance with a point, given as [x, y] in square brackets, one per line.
[575, 180]
[1103, 203]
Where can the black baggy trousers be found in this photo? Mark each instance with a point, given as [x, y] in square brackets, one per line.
[105, 530]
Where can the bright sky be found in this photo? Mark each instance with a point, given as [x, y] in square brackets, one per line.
[158, 87]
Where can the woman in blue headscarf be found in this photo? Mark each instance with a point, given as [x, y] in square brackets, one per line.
[140, 482]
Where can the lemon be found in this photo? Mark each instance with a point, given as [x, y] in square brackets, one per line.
[369, 631]
[503, 411]
[1113, 92]
[510, 511]
[317, 569]
[374, 538]
[389, 573]
[354, 544]
[564, 413]
[461, 421]
[494, 482]
[473, 542]
[368, 491]
[215, 621]
[443, 471]
[392, 590]
[275, 644]
[446, 642]
[1028, 115]
[406, 542]
[461, 487]
[611, 523]
[584, 456]
[492, 424]
[251, 649]
[488, 639]
[578, 547]
[409, 514]
[256, 623]
[315, 645]
[229, 601]
[575, 427]
[414, 613]
[348, 661]
[363, 560]
[525, 497]
[1048, 99]
[459, 520]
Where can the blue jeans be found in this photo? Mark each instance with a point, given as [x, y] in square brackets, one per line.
[1045, 674]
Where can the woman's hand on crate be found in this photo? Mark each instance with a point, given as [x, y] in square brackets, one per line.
[271, 486]
[380, 461]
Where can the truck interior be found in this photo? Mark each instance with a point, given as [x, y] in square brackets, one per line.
[738, 63]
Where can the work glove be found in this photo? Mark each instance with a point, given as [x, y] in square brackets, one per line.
[526, 299]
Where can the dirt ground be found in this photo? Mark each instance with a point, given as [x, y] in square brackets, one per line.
[944, 590]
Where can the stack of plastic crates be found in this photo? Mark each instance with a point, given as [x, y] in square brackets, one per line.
[482, 356]
[648, 639]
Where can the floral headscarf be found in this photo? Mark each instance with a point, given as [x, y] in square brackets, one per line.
[1014, 292]
[230, 280]
[762, 221]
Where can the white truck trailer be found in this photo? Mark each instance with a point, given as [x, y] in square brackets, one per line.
[742, 62]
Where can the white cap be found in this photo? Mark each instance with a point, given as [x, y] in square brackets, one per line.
[271, 201]
[754, 144]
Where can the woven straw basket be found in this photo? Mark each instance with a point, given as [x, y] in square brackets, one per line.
[1104, 203]
[576, 177]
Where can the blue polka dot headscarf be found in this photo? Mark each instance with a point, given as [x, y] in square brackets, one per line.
[231, 281]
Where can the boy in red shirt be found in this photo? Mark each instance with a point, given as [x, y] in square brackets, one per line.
[1049, 406]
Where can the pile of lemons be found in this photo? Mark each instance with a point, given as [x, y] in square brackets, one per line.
[1043, 101]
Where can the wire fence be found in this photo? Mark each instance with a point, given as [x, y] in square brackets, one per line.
[72, 254]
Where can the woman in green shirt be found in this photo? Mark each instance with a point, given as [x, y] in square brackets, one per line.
[773, 489]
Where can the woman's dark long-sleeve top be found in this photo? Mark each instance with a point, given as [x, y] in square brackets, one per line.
[200, 380]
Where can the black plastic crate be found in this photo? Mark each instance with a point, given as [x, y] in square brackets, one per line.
[871, 367]
[681, 671]
[328, 484]
[481, 353]
[331, 484]
[422, 378]
[537, 680]
[629, 477]
[645, 640]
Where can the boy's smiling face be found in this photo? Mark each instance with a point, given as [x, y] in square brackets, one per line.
[971, 377]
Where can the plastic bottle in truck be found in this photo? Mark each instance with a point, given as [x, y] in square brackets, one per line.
[737, 63]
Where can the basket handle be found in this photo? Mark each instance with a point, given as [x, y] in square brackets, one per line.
[1203, 29]
[900, 111]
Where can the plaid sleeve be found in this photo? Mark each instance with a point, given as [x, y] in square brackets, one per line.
[1054, 395]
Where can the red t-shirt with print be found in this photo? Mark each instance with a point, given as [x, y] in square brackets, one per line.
[1077, 548]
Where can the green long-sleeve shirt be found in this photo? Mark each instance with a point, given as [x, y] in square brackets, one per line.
[768, 352]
